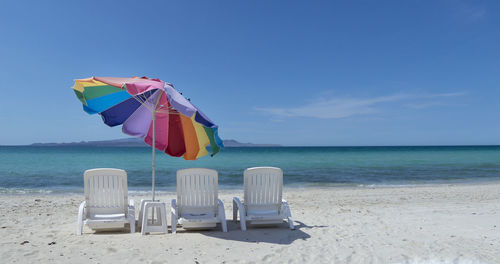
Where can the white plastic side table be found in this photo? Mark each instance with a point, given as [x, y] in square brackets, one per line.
[159, 224]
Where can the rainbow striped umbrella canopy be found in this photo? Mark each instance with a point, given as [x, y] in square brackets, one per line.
[151, 109]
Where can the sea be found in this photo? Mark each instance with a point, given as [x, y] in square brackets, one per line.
[59, 169]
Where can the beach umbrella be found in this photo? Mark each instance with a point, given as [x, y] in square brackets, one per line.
[151, 109]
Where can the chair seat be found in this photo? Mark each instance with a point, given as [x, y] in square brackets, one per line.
[198, 221]
[263, 212]
[204, 217]
[110, 217]
[267, 218]
[106, 224]
[106, 221]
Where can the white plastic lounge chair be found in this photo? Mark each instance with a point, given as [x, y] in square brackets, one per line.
[262, 202]
[106, 205]
[197, 205]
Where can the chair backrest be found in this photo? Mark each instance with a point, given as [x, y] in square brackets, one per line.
[263, 189]
[105, 191]
[197, 191]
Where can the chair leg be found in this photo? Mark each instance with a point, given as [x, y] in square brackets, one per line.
[80, 227]
[144, 221]
[235, 211]
[131, 217]
[132, 223]
[222, 216]
[288, 215]
[81, 215]
[141, 212]
[243, 219]
[158, 213]
[164, 225]
[243, 224]
[238, 206]
[139, 219]
[224, 224]
[290, 223]
[174, 223]
[173, 211]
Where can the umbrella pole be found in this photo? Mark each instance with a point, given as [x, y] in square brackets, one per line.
[154, 148]
[153, 166]
[154, 156]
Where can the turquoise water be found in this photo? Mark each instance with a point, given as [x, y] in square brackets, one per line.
[60, 169]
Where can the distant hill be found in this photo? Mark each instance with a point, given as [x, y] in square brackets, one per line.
[125, 142]
[233, 143]
[138, 142]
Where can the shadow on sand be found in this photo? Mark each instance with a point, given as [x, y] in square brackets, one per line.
[274, 234]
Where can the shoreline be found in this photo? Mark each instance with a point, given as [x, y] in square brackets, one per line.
[231, 188]
[445, 223]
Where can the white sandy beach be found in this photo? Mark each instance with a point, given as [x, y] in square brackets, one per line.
[423, 224]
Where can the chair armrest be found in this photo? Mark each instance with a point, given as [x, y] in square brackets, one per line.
[238, 203]
[241, 207]
[220, 203]
[81, 210]
[220, 207]
[284, 206]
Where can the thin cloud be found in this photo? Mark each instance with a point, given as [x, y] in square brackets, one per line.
[425, 105]
[445, 95]
[469, 12]
[472, 14]
[345, 107]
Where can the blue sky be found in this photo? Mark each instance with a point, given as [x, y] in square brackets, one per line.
[288, 72]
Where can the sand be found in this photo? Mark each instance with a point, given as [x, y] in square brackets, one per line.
[420, 224]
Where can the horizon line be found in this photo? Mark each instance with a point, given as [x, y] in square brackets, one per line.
[273, 145]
